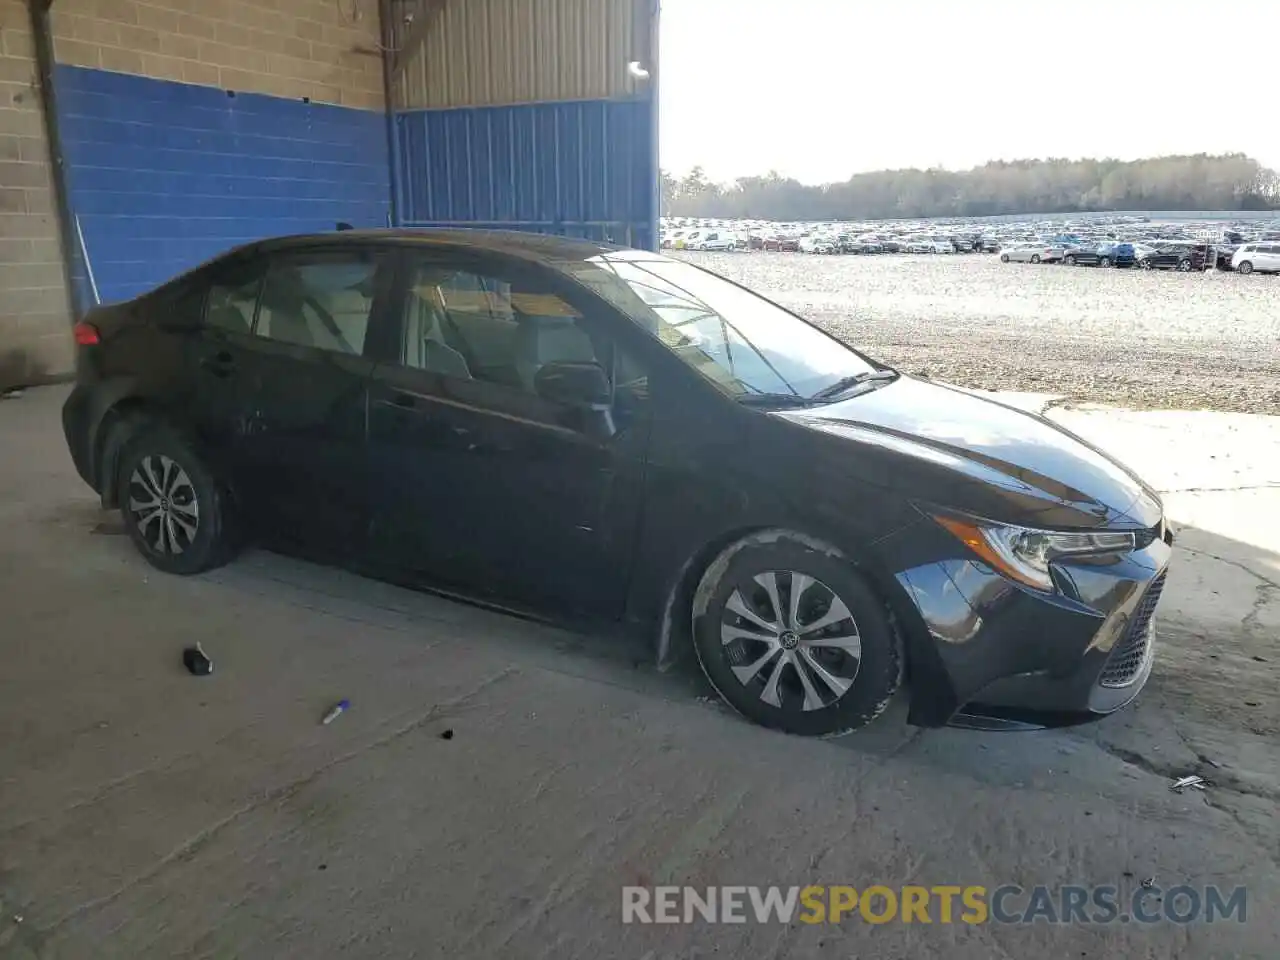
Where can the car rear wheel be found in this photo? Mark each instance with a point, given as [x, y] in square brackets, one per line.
[793, 638]
[1145, 264]
[1035, 258]
[1104, 262]
[1069, 260]
[173, 508]
[1245, 267]
[1184, 266]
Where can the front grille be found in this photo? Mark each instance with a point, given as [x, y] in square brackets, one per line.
[1130, 653]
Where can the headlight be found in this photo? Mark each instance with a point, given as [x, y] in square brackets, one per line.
[1024, 554]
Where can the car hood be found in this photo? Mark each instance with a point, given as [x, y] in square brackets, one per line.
[945, 446]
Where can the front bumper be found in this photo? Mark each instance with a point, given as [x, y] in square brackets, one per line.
[990, 653]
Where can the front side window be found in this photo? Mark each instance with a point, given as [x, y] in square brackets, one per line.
[735, 338]
[479, 325]
[320, 300]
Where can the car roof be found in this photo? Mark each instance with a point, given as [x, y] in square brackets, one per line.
[530, 246]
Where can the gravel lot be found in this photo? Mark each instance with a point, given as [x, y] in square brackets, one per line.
[1128, 337]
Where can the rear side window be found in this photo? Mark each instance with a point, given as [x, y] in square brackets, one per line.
[232, 301]
[321, 300]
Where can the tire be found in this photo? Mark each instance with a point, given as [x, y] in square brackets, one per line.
[188, 529]
[1104, 262]
[1184, 266]
[1004, 258]
[860, 653]
[1145, 265]
[1246, 267]
[1069, 260]
[1035, 258]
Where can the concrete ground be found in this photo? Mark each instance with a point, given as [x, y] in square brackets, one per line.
[146, 813]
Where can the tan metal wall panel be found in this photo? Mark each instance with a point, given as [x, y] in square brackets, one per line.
[468, 53]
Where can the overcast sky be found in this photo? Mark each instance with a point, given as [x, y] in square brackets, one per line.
[822, 89]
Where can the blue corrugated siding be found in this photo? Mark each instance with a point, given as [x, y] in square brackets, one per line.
[165, 175]
[581, 168]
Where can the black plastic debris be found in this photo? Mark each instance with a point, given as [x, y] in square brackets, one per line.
[446, 734]
[196, 662]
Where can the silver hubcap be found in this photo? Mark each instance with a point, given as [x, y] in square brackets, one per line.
[162, 501]
[790, 639]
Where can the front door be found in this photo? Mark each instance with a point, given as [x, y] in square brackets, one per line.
[480, 483]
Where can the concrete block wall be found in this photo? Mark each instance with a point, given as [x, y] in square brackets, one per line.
[327, 50]
[165, 167]
[34, 307]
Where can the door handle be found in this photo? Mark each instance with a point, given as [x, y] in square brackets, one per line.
[221, 364]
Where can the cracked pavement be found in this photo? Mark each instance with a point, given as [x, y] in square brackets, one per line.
[147, 813]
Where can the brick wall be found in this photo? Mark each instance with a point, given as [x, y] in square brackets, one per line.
[35, 339]
[323, 49]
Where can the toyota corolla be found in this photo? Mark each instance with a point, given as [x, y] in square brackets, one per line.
[625, 441]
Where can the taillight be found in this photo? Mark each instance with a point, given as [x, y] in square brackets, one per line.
[86, 334]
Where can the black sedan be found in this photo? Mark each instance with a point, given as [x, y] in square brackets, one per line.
[1183, 257]
[611, 437]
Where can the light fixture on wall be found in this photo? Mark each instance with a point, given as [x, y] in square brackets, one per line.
[637, 70]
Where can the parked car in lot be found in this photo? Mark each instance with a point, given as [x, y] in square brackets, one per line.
[1257, 257]
[1032, 253]
[1084, 255]
[929, 245]
[813, 244]
[1112, 254]
[716, 240]
[614, 437]
[1184, 257]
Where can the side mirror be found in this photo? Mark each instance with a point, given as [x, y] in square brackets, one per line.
[574, 383]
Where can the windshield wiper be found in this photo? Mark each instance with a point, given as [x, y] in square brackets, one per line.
[848, 383]
[774, 400]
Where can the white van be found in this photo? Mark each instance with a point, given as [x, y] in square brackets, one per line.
[1262, 257]
[716, 240]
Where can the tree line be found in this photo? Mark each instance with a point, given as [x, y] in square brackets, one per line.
[1200, 182]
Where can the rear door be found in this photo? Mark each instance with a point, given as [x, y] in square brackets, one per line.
[481, 484]
[308, 372]
[279, 374]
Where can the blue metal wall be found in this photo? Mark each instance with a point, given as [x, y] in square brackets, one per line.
[164, 175]
[584, 168]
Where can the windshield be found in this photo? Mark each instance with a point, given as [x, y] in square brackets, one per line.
[738, 340]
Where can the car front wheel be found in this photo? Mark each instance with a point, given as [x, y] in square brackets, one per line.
[1184, 266]
[173, 508]
[1245, 267]
[793, 638]
[1004, 258]
[1035, 258]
